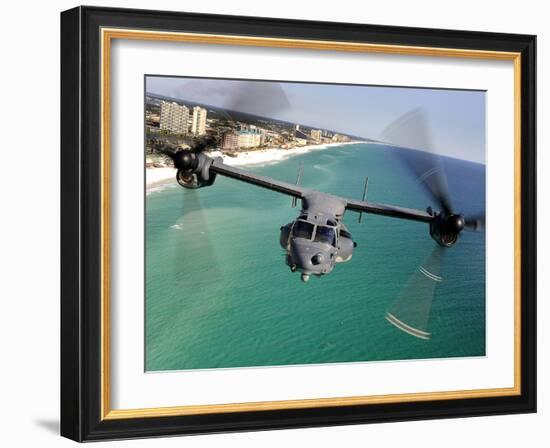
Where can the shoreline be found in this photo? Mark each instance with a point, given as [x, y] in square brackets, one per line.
[157, 176]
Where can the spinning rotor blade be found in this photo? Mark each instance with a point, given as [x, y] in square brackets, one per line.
[260, 98]
[204, 143]
[248, 97]
[192, 220]
[475, 223]
[194, 247]
[411, 310]
[230, 97]
[411, 131]
[167, 150]
[257, 98]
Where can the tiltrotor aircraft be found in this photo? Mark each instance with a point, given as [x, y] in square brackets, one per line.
[318, 239]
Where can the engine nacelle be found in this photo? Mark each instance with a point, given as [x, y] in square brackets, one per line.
[445, 229]
[285, 235]
[193, 169]
[345, 251]
[194, 180]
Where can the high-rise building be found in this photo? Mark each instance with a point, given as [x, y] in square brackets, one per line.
[198, 125]
[173, 117]
[230, 140]
[316, 134]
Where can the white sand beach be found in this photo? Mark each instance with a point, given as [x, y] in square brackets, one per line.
[159, 175]
[155, 176]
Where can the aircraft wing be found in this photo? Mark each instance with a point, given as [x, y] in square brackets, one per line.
[387, 210]
[299, 192]
[256, 179]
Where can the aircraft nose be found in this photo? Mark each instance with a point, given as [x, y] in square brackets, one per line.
[308, 258]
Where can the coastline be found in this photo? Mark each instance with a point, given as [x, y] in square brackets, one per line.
[157, 176]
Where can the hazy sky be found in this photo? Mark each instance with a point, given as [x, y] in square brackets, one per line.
[456, 118]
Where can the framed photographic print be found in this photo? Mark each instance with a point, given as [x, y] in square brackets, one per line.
[273, 223]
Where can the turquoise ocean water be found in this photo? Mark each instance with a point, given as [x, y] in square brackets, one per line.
[218, 293]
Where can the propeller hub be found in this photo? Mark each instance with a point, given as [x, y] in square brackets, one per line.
[456, 223]
[445, 229]
[185, 161]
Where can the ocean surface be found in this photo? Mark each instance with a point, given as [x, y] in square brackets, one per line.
[219, 295]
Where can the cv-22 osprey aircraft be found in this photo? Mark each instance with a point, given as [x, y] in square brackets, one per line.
[318, 239]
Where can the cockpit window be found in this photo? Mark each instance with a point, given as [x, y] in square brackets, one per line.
[325, 235]
[303, 229]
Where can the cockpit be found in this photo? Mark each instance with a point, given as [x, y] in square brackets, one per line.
[314, 232]
[325, 234]
[303, 229]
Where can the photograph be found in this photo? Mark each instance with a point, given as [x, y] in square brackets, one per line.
[297, 223]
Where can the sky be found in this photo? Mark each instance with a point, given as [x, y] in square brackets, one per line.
[455, 118]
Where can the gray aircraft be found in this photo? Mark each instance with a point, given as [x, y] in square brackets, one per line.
[318, 239]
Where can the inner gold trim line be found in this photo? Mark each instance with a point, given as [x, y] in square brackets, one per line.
[105, 226]
[517, 223]
[107, 35]
[355, 47]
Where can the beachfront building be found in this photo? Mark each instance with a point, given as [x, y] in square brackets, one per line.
[198, 125]
[340, 138]
[250, 138]
[300, 135]
[173, 117]
[230, 141]
[152, 119]
[316, 135]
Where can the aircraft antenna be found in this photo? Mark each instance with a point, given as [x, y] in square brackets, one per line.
[298, 181]
[364, 196]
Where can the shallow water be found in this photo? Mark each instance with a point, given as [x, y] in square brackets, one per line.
[218, 293]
